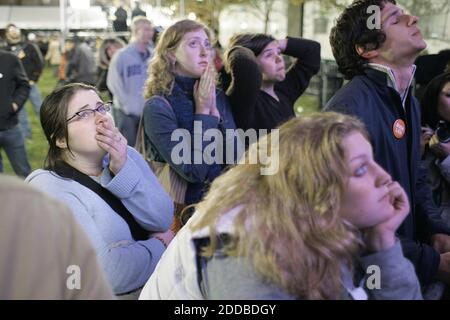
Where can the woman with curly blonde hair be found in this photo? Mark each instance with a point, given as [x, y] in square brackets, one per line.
[306, 232]
[183, 96]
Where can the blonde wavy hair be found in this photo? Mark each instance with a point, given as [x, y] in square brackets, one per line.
[160, 70]
[289, 224]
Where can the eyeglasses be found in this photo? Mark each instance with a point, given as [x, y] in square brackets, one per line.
[103, 108]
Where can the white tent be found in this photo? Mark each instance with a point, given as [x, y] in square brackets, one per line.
[48, 18]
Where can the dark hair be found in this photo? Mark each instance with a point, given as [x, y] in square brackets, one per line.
[103, 57]
[351, 30]
[430, 100]
[74, 39]
[53, 119]
[253, 41]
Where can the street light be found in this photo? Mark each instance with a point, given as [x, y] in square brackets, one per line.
[192, 16]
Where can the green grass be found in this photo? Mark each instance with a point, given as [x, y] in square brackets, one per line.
[37, 146]
[307, 104]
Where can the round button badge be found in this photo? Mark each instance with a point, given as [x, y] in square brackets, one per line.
[399, 128]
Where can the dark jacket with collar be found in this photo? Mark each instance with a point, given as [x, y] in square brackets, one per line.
[14, 87]
[369, 98]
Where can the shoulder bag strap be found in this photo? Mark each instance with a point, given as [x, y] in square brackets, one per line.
[140, 141]
[65, 170]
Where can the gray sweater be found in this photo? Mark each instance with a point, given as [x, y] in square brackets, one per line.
[224, 277]
[234, 278]
[127, 263]
[126, 78]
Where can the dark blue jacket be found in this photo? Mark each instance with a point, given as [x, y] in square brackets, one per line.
[160, 121]
[369, 98]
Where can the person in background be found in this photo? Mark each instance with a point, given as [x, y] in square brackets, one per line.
[262, 93]
[112, 192]
[157, 32]
[137, 11]
[309, 231]
[428, 67]
[44, 253]
[14, 91]
[62, 78]
[41, 41]
[106, 51]
[80, 62]
[120, 22]
[33, 63]
[435, 105]
[126, 78]
[53, 55]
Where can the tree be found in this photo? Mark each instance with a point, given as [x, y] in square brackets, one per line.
[263, 8]
[425, 8]
[427, 11]
[416, 7]
[209, 10]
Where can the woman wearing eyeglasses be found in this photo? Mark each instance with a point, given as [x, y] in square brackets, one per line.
[109, 187]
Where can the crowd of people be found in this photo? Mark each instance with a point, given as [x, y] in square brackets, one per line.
[165, 191]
